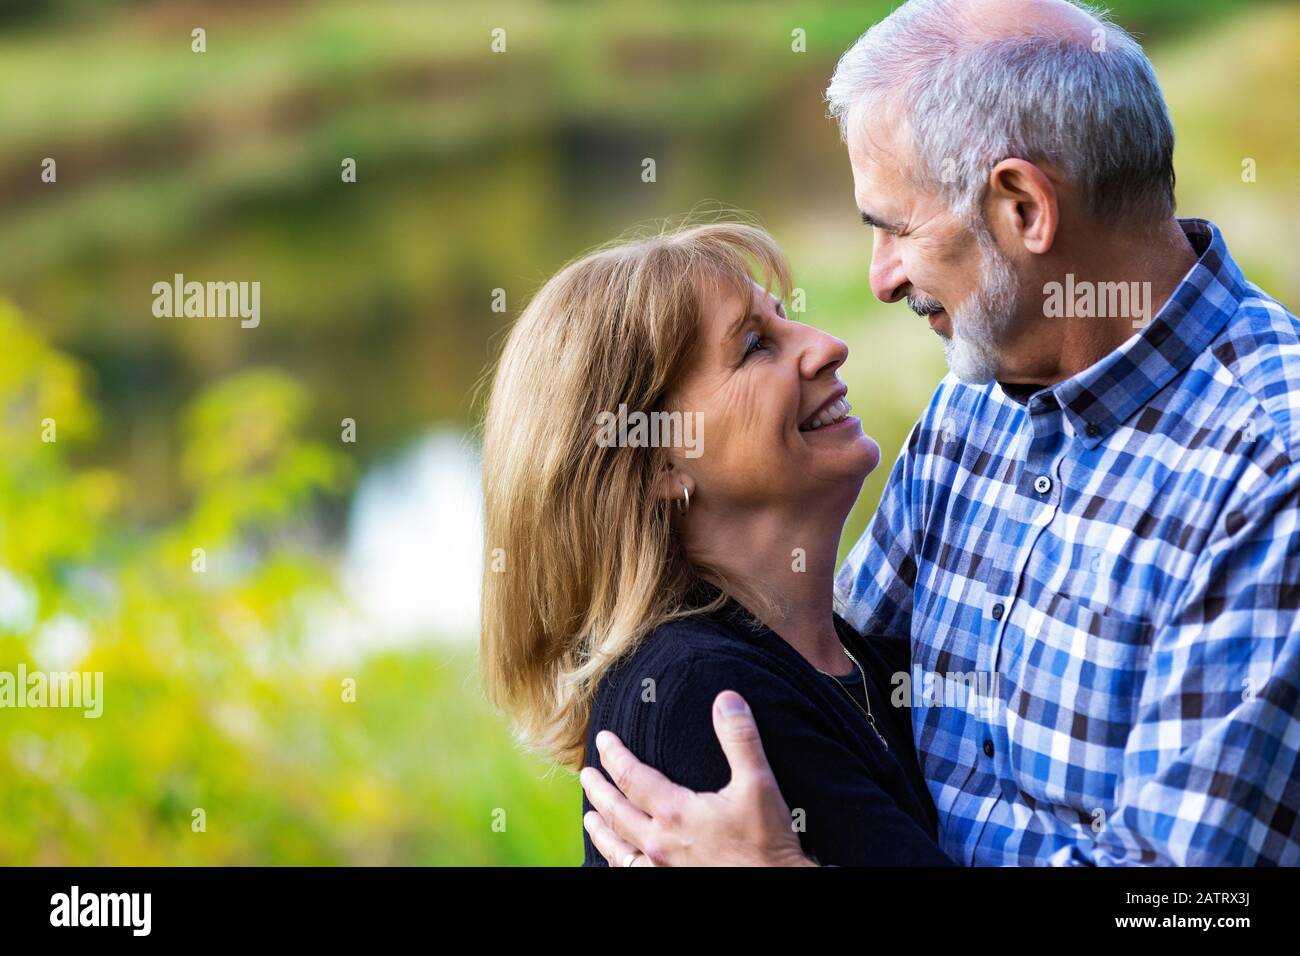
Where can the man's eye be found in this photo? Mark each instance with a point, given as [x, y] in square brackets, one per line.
[754, 343]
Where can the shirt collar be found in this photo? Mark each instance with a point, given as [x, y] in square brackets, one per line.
[1104, 395]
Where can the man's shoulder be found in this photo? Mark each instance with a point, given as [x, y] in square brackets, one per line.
[956, 412]
[953, 394]
[1259, 350]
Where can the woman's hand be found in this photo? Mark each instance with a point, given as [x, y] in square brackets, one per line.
[654, 822]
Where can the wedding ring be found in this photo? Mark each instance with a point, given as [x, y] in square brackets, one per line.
[630, 859]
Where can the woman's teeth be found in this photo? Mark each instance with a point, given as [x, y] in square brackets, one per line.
[836, 411]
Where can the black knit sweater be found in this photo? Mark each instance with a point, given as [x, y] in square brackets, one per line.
[862, 804]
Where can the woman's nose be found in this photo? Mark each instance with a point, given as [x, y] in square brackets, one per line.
[823, 353]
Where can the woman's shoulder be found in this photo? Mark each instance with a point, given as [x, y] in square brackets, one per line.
[659, 699]
[664, 655]
[686, 662]
[699, 642]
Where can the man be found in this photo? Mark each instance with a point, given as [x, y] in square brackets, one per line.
[1099, 510]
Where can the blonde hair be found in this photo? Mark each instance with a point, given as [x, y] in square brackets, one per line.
[581, 559]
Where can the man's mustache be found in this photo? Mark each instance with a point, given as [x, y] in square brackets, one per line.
[923, 304]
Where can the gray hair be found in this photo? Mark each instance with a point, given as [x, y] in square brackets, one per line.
[1094, 112]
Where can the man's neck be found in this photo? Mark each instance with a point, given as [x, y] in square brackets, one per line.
[1067, 336]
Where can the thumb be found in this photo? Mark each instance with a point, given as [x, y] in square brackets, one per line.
[733, 722]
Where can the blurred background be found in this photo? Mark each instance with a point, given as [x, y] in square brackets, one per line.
[329, 564]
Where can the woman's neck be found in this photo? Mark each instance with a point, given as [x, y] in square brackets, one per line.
[794, 561]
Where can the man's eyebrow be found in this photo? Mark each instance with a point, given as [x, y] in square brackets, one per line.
[873, 222]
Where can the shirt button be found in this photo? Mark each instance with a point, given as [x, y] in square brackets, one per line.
[1092, 430]
[988, 748]
[1042, 484]
[997, 612]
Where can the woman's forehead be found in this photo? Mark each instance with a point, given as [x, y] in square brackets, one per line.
[728, 299]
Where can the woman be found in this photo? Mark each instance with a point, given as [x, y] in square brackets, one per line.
[631, 575]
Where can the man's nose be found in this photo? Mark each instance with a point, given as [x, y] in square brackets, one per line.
[888, 280]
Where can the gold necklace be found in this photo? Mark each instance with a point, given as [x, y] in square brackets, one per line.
[866, 712]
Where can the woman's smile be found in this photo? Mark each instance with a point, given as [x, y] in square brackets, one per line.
[848, 423]
[833, 411]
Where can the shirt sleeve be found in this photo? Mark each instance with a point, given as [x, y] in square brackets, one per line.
[1211, 772]
[842, 813]
[873, 589]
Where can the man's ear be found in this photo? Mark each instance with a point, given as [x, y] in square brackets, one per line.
[1022, 205]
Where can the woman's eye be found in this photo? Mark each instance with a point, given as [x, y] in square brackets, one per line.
[753, 343]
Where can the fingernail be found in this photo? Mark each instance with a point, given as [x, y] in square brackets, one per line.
[602, 740]
[730, 704]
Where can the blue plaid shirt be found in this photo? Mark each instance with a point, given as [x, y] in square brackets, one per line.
[1101, 585]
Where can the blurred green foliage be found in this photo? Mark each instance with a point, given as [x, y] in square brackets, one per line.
[475, 172]
[209, 702]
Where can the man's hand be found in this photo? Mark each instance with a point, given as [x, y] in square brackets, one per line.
[658, 823]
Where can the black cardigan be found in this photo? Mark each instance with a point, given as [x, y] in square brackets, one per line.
[863, 804]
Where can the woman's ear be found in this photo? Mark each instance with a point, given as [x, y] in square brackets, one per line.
[675, 485]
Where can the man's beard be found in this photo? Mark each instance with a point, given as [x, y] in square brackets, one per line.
[980, 321]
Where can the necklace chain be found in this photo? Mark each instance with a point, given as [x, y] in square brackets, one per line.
[866, 696]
